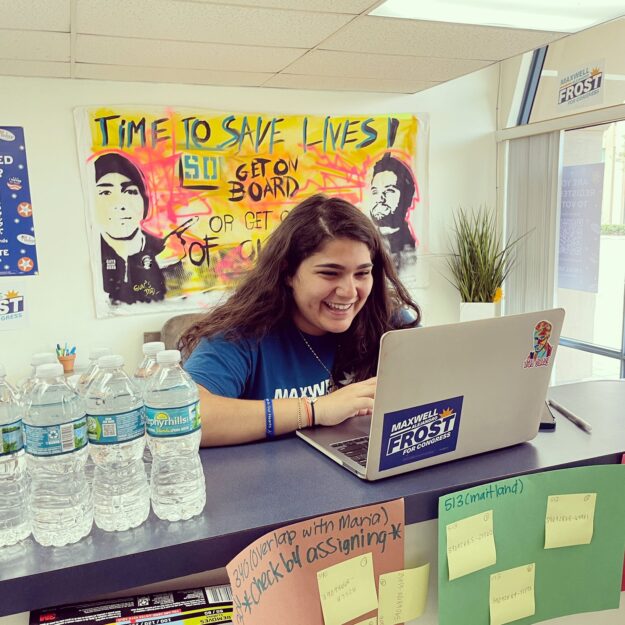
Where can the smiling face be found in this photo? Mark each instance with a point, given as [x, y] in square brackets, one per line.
[331, 286]
[119, 205]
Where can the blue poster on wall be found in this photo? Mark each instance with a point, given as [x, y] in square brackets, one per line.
[18, 254]
[580, 227]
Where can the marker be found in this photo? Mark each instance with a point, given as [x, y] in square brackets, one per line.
[573, 418]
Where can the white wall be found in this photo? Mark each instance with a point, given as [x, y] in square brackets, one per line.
[60, 298]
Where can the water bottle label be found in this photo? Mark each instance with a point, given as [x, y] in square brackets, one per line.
[11, 438]
[116, 428]
[53, 440]
[173, 421]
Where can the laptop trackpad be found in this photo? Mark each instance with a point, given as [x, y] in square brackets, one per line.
[356, 426]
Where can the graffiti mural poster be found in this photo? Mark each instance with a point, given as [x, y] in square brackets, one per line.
[179, 202]
[18, 255]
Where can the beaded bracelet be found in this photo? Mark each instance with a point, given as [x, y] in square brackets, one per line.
[299, 413]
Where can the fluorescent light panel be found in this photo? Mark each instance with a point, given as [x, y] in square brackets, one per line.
[551, 15]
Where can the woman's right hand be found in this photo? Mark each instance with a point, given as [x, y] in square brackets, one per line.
[353, 400]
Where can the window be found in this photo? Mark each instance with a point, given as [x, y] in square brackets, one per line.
[591, 255]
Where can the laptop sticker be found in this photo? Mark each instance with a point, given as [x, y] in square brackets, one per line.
[420, 432]
[541, 353]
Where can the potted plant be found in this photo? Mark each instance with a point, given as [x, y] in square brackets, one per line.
[479, 263]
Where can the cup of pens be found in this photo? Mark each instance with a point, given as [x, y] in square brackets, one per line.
[66, 356]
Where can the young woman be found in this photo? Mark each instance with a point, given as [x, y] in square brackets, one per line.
[297, 342]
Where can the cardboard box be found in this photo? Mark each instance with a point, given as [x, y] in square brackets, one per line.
[196, 606]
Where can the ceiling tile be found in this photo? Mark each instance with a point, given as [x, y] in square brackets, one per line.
[154, 53]
[35, 14]
[34, 45]
[196, 21]
[48, 69]
[169, 75]
[394, 67]
[334, 83]
[435, 39]
[354, 7]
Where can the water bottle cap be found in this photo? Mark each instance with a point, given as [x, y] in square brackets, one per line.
[111, 361]
[98, 352]
[168, 357]
[153, 348]
[42, 358]
[49, 370]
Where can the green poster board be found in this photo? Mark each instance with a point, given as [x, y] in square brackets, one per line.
[568, 580]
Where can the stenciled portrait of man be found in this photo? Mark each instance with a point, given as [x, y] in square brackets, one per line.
[393, 190]
[130, 272]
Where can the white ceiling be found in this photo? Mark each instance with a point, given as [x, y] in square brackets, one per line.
[293, 44]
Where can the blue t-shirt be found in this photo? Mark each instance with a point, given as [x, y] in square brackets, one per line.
[280, 365]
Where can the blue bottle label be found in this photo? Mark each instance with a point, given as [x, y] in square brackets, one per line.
[11, 438]
[53, 440]
[111, 429]
[173, 421]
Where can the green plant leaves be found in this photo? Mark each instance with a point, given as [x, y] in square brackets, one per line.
[479, 263]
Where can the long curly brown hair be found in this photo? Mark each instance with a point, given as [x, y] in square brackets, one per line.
[263, 299]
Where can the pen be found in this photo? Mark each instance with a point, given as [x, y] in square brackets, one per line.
[573, 418]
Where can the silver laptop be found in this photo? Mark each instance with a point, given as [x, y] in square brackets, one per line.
[449, 391]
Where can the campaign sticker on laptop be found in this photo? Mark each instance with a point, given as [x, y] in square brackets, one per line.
[421, 432]
[540, 355]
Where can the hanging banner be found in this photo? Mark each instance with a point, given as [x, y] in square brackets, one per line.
[18, 254]
[180, 202]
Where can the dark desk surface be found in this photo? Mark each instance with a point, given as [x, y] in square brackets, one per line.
[252, 489]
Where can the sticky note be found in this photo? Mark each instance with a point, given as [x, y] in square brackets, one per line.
[569, 520]
[370, 621]
[402, 595]
[347, 590]
[512, 594]
[470, 544]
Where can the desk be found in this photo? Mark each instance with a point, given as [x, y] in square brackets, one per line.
[254, 488]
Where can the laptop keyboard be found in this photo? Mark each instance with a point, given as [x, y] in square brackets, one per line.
[355, 448]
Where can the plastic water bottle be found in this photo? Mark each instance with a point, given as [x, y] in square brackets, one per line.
[178, 489]
[81, 385]
[148, 365]
[40, 358]
[144, 372]
[92, 368]
[14, 515]
[55, 432]
[116, 427]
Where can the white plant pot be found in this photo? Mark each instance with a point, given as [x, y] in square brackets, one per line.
[470, 311]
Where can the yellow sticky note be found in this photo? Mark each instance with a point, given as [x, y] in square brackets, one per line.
[402, 595]
[370, 621]
[347, 590]
[512, 594]
[470, 544]
[569, 520]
